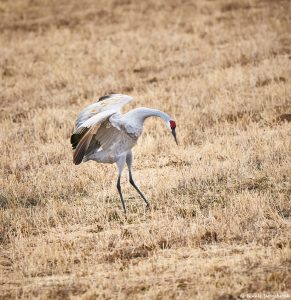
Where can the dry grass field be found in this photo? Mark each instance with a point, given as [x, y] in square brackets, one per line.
[220, 222]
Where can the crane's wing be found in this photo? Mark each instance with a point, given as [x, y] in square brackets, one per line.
[91, 118]
[108, 102]
[83, 135]
[106, 136]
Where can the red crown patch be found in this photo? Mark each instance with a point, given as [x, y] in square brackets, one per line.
[173, 124]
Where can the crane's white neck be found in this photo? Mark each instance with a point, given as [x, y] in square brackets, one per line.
[136, 117]
[141, 113]
[144, 113]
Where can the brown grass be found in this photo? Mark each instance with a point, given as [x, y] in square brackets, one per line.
[220, 220]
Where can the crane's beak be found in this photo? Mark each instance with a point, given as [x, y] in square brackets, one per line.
[174, 135]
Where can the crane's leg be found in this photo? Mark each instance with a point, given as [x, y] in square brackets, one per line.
[129, 164]
[120, 164]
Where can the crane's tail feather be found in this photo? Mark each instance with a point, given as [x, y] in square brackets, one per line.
[83, 145]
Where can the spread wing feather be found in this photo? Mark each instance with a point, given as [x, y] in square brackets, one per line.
[108, 102]
[77, 136]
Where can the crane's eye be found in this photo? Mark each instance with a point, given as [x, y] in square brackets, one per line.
[172, 124]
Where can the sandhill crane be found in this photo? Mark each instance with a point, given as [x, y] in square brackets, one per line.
[105, 135]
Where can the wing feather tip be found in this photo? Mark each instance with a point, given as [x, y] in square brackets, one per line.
[77, 158]
[77, 162]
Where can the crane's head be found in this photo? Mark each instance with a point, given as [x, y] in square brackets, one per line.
[172, 126]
